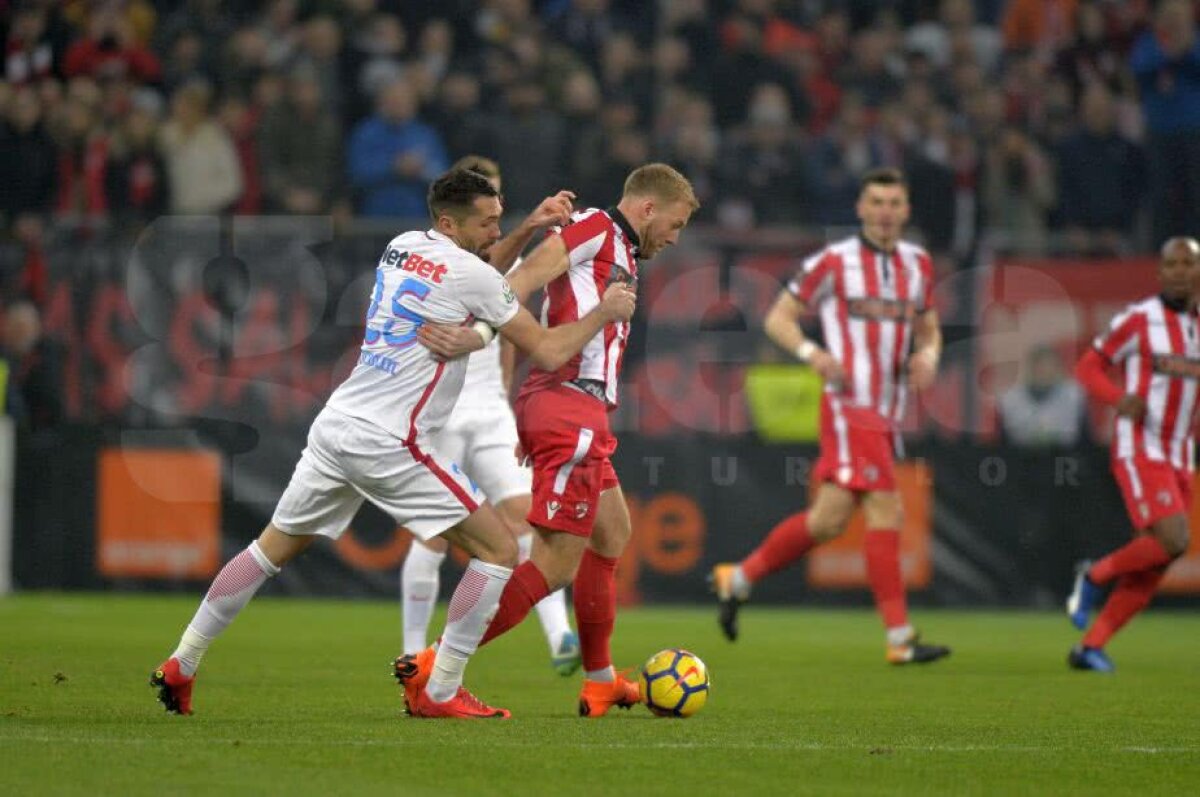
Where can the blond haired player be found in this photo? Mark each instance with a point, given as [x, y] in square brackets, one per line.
[579, 511]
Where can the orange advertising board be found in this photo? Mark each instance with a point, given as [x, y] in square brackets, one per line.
[1183, 576]
[159, 513]
[839, 563]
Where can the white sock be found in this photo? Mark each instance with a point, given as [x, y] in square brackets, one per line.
[900, 635]
[552, 609]
[552, 612]
[607, 675]
[419, 583]
[471, 610]
[231, 590]
[741, 584]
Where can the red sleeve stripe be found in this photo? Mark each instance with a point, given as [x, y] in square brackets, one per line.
[925, 262]
[1116, 339]
[839, 296]
[1145, 373]
[902, 336]
[1174, 385]
[870, 267]
[805, 286]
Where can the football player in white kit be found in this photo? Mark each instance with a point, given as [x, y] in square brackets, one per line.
[375, 440]
[481, 436]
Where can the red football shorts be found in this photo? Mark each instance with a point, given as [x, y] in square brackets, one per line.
[565, 434]
[1152, 490]
[858, 447]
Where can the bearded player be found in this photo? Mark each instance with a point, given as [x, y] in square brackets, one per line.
[873, 294]
[579, 511]
[480, 436]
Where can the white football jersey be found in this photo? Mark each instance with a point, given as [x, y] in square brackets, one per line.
[397, 384]
[484, 384]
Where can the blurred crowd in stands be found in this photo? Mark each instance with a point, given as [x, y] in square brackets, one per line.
[1053, 125]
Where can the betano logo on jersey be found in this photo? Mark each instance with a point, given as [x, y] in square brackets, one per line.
[414, 263]
[875, 309]
[1177, 365]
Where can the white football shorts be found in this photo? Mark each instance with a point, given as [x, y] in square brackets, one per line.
[482, 441]
[348, 460]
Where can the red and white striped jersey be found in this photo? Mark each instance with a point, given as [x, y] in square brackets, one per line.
[1160, 350]
[603, 249]
[867, 299]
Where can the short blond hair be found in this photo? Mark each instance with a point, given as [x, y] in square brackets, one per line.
[662, 182]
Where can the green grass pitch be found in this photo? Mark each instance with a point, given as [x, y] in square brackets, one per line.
[297, 698]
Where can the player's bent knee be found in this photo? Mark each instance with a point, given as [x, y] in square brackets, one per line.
[1172, 533]
[558, 572]
[1175, 539]
[824, 528]
[558, 557]
[829, 522]
[497, 555]
[280, 547]
[502, 550]
[485, 536]
[610, 545]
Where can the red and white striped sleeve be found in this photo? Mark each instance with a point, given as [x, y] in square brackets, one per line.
[1121, 338]
[586, 236]
[814, 281]
[925, 263]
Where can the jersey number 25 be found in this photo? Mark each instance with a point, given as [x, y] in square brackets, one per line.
[410, 320]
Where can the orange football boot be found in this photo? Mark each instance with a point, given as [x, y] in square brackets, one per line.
[412, 671]
[463, 705]
[174, 688]
[597, 697]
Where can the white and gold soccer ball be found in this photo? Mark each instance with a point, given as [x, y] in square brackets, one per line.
[675, 683]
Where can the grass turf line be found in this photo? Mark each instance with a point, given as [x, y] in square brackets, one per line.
[297, 698]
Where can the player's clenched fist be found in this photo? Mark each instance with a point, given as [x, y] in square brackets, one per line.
[553, 210]
[827, 366]
[1132, 406]
[619, 302]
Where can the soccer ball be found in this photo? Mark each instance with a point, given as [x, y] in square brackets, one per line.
[674, 683]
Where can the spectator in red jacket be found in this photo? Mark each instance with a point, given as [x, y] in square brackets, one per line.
[109, 50]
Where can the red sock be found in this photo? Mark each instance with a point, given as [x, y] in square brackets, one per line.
[881, 548]
[525, 588]
[1144, 553]
[786, 543]
[596, 608]
[1133, 593]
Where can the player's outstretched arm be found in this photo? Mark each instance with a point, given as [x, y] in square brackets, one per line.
[782, 326]
[927, 350]
[547, 261]
[552, 210]
[552, 348]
